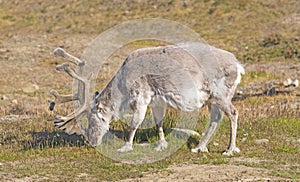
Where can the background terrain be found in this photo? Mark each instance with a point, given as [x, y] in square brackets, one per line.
[264, 35]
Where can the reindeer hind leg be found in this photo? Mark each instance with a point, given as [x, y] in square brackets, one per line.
[158, 115]
[216, 116]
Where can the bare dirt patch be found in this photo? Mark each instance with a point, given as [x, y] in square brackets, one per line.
[198, 172]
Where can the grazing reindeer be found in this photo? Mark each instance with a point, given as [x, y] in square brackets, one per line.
[184, 76]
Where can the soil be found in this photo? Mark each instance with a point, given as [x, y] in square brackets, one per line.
[196, 172]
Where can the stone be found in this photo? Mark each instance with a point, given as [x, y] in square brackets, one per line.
[184, 132]
[287, 82]
[261, 141]
[30, 89]
[244, 139]
[4, 97]
[216, 144]
[271, 91]
[14, 101]
[295, 83]
[239, 92]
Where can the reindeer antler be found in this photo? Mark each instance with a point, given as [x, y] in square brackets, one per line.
[62, 53]
[70, 122]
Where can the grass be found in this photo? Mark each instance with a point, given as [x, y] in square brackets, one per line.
[29, 149]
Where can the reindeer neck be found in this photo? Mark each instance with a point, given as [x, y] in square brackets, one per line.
[105, 97]
[114, 96]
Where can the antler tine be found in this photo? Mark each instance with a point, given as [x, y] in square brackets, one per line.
[69, 120]
[63, 98]
[66, 67]
[62, 53]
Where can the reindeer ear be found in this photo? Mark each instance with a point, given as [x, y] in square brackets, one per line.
[95, 95]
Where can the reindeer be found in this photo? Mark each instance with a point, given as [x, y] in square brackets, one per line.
[185, 76]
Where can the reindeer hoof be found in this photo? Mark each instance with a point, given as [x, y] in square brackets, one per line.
[162, 145]
[199, 149]
[230, 152]
[126, 148]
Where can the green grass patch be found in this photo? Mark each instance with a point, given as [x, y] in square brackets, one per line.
[67, 161]
[290, 174]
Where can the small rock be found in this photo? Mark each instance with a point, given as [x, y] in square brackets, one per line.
[183, 132]
[272, 91]
[261, 141]
[295, 83]
[143, 144]
[216, 144]
[239, 92]
[4, 97]
[4, 50]
[244, 139]
[245, 134]
[82, 175]
[294, 105]
[287, 82]
[30, 89]
[14, 101]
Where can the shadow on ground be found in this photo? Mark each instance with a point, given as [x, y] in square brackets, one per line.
[53, 139]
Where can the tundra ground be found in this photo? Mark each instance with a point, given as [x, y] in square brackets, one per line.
[263, 35]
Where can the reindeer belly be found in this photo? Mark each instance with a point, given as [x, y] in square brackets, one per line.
[187, 101]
